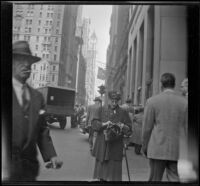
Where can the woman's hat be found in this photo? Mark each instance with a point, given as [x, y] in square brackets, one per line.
[21, 48]
[114, 95]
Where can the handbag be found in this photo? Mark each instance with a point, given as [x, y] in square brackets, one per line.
[112, 132]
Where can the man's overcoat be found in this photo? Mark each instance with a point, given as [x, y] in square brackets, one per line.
[29, 131]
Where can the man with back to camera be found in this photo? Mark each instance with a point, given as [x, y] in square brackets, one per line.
[93, 112]
[29, 128]
[165, 114]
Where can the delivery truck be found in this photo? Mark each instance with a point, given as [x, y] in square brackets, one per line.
[59, 104]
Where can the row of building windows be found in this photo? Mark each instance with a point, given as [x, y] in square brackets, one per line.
[29, 21]
[28, 30]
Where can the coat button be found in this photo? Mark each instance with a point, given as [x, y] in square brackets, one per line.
[26, 116]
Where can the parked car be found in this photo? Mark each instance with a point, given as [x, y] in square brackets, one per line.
[59, 104]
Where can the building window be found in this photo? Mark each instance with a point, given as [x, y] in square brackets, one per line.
[57, 31]
[33, 76]
[37, 38]
[53, 77]
[45, 31]
[52, 15]
[40, 14]
[43, 55]
[29, 30]
[47, 56]
[50, 22]
[54, 57]
[30, 21]
[27, 21]
[45, 38]
[56, 39]
[47, 14]
[38, 29]
[36, 47]
[25, 38]
[58, 23]
[54, 68]
[56, 48]
[49, 39]
[34, 66]
[49, 30]
[47, 22]
[39, 22]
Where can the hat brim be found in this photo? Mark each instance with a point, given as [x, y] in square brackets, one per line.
[30, 58]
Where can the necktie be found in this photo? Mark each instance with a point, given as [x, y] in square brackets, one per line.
[25, 101]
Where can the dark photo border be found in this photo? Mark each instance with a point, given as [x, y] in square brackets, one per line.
[193, 76]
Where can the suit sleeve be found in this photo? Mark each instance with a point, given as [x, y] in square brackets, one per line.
[148, 123]
[44, 140]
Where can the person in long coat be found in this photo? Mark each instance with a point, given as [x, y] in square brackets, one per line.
[93, 112]
[29, 128]
[164, 116]
[137, 129]
[109, 154]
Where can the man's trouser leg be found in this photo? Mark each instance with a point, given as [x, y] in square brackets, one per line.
[172, 171]
[157, 168]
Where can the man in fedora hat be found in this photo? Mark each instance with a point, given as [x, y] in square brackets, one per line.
[28, 123]
[109, 153]
[93, 112]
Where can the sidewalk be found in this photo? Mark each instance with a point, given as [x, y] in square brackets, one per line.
[138, 166]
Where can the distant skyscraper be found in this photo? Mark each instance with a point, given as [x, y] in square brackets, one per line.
[90, 71]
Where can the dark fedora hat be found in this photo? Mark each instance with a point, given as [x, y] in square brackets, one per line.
[98, 99]
[21, 48]
[114, 95]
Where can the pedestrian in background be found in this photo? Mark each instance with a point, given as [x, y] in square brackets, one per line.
[29, 128]
[164, 116]
[93, 112]
[108, 149]
[184, 88]
[136, 138]
[127, 106]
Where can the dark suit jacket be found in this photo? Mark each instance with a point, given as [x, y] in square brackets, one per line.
[24, 153]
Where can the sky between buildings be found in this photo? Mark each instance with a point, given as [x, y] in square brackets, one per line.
[100, 23]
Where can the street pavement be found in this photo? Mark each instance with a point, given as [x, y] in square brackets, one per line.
[78, 165]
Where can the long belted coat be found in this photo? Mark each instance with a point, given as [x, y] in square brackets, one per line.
[29, 131]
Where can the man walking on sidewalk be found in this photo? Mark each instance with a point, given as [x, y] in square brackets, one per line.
[165, 114]
[93, 112]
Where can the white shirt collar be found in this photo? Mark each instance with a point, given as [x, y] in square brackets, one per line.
[16, 83]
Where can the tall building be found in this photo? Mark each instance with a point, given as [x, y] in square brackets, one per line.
[158, 37]
[90, 70]
[50, 30]
[145, 42]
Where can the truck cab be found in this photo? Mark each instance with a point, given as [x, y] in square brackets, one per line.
[59, 104]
